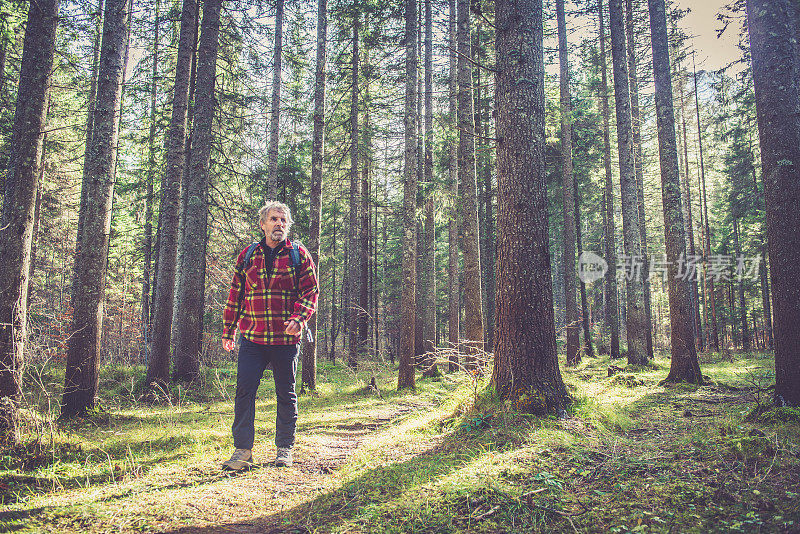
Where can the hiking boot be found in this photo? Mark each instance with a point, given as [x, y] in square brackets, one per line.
[284, 457]
[240, 459]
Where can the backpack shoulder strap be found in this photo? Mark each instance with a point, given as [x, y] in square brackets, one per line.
[249, 255]
[294, 252]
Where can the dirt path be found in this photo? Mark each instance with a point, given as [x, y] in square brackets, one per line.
[255, 501]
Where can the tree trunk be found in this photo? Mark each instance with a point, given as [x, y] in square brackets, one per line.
[309, 372]
[525, 364]
[685, 366]
[429, 257]
[568, 194]
[635, 318]
[740, 288]
[148, 210]
[355, 281]
[19, 204]
[83, 348]
[453, 306]
[473, 309]
[275, 103]
[190, 301]
[765, 299]
[408, 308]
[585, 310]
[687, 195]
[612, 302]
[90, 104]
[364, 315]
[638, 166]
[158, 364]
[709, 282]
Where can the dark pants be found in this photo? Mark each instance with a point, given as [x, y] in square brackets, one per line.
[253, 359]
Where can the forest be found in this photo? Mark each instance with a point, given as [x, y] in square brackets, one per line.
[556, 249]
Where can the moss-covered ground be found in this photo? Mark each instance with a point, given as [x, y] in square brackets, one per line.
[631, 456]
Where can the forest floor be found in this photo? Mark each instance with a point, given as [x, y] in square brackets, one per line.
[632, 456]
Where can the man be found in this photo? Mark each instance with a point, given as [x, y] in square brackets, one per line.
[270, 300]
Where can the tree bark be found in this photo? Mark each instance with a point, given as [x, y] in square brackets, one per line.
[585, 310]
[687, 195]
[275, 103]
[525, 364]
[83, 348]
[148, 210]
[612, 302]
[709, 282]
[429, 258]
[685, 366]
[635, 318]
[473, 308]
[19, 200]
[408, 308]
[568, 194]
[355, 259]
[90, 105]
[160, 348]
[740, 289]
[638, 166]
[453, 301]
[309, 371]
[190, 301]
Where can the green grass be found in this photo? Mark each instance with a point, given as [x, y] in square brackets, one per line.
[633, 456]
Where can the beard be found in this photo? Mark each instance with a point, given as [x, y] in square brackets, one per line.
[277, 235]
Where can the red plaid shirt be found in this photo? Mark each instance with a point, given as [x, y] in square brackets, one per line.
[260, 301]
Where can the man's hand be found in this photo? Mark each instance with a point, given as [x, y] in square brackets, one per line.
[228, 344]
[292, 327]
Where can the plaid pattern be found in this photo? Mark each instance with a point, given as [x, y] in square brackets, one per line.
[259, 302]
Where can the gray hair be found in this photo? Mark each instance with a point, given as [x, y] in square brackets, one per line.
[277, 206]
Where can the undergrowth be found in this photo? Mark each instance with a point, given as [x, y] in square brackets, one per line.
[631, 456]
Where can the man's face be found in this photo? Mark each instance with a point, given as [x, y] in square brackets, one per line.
[275, 225]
